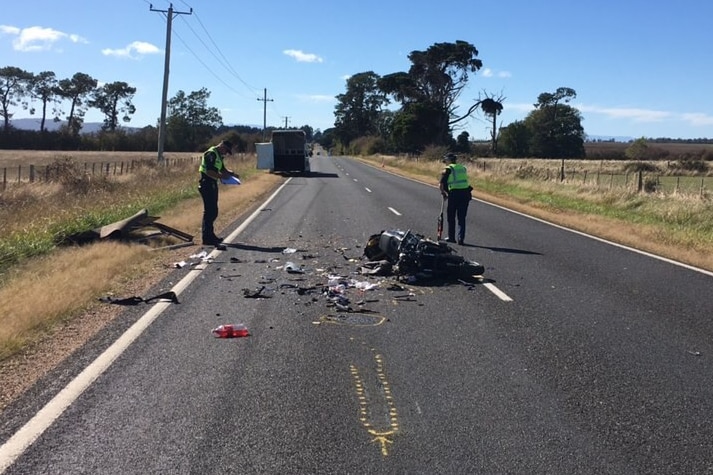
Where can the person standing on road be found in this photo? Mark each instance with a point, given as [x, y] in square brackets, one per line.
[455, 188]
[212, 169]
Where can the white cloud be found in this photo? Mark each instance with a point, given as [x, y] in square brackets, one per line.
[489, 73]
[37, 38]
[636, 114]
[133, 51]
[697, 119]
[303, 57]
[317, 98]
[9, 30]
[519, 107]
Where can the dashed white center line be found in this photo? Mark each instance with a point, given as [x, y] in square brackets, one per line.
[394, 211]
[367, 189]
[499, 293]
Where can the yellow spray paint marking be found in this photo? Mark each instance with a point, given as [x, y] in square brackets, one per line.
[353, 319]
[381, 435]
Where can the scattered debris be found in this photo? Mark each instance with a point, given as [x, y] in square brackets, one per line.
[230, 330]
[138, 228]
[291, 268]
[170, 295]
[255, 294]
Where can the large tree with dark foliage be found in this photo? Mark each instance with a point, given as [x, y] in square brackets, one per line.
[14, 83]
[555, 127]
[43, 87]
[434, 82]
[191, 122]
[112, 99]
[358, 110]
[76, 90]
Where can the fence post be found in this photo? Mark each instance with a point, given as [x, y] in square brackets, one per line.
[19, 173]
[640, 182]
[4, 178]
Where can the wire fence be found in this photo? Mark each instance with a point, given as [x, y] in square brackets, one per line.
[604, 180]
[30, 173]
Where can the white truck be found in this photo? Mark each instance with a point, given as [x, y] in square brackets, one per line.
[286, 152]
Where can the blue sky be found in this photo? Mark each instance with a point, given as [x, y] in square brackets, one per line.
[639, 68]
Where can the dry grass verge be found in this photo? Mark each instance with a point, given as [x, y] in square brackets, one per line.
[52, 301]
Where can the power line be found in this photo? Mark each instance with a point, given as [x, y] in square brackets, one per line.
[229, 66]
[215, 75]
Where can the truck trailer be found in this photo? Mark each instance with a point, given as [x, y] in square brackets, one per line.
[287, 151]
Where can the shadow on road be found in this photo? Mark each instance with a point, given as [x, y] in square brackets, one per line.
[503, 249]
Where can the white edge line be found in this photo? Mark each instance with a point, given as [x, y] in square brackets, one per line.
[606, 241]
[16, 445]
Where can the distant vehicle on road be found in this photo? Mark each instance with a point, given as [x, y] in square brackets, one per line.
[287, 151]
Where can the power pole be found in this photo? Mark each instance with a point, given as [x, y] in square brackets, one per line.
[285, 117]
[162, 124]
[264, 112]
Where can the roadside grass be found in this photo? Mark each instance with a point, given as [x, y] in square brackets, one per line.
[47, 291]
[43, 284]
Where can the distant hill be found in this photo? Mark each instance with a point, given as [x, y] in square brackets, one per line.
[609, 138]
[34, 124]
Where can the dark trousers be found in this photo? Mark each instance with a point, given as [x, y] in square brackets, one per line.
[457, 209]
[208, 189]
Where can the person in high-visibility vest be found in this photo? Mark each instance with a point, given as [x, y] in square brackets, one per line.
[455, 188]
[212, 169]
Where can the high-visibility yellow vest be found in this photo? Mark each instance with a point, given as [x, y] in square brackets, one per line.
[458, 177]
[218, 160]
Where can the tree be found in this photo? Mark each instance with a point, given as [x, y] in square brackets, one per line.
[435, 80]
[44, 88]
[190, 122]
[556, 129]
[463, 142]
[14, 83]
[113, 99]
[515, 140]
[414, 126]
[637, 150]
[76, 90]
[358, 110]
[492, 107]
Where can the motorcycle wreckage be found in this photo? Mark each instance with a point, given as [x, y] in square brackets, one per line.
[414, 254]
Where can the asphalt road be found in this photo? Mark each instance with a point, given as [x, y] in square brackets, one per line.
[571, 355]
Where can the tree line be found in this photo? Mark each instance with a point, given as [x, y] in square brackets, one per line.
[428, 113]
[191, 124]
